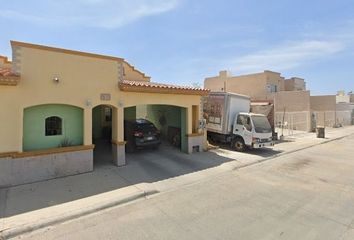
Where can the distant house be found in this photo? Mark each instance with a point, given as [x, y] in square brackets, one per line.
[289, 96]
[293, 105]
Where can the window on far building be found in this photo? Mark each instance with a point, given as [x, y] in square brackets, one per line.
[272, 88]
[53, 126]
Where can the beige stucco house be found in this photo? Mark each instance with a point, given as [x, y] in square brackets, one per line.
[56, 104]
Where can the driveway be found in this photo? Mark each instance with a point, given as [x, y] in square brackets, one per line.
[143, 167]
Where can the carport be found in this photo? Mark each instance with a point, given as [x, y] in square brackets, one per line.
[170, 120]
[175, 111]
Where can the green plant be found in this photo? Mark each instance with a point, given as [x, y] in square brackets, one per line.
[65, 143]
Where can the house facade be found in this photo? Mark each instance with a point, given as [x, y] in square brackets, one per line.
[56, 104]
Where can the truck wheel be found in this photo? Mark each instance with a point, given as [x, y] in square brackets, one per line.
[238, 144]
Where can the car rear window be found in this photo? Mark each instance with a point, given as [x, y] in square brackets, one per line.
[145, 127]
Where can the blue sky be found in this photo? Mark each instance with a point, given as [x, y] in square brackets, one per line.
[182, 42]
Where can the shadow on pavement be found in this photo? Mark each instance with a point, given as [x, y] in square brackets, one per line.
[261, 152]
[143, 167]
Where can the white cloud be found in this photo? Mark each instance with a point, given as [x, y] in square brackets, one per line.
[286, 56]
[324, 44]
[108, 14]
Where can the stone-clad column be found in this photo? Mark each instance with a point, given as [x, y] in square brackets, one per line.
[118, 143]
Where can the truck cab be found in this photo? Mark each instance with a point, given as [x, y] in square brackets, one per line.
[251, 130]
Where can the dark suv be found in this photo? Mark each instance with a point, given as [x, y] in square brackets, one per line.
[141, 133]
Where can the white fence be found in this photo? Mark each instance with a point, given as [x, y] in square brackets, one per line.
[332, 118]
[293, 121]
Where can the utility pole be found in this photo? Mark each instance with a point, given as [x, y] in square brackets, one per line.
[282, 125]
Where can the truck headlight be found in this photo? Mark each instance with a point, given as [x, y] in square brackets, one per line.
[256, 140]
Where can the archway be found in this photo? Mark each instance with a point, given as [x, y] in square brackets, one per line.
[102, 134]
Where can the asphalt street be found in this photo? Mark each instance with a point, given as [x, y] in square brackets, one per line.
[304, 195]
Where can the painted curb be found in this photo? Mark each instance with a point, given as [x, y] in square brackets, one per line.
[26, 228]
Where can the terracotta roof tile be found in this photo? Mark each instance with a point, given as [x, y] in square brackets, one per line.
[7, 77]
[4, 72]
[143, 86]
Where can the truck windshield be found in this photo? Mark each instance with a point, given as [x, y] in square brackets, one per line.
[261, 124]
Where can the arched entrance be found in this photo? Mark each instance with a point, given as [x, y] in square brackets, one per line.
[102, 134]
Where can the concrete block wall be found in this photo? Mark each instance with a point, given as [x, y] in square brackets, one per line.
[196, 143]
[16, 171]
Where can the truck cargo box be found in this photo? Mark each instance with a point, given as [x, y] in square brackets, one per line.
[220, 109]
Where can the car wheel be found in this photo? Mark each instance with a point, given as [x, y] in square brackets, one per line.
[238, 144]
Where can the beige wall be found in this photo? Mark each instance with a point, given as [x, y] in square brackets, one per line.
[323, 103]
[253, 85]
[275, 78]
[295, 101]
[294, 84]
[81, 81]
[130, 73]
[324, 110]
[351, 98]
[4, 62]
[297, 109]
[218, 83]
[343, 99]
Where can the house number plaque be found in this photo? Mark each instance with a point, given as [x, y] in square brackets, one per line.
[105, 96]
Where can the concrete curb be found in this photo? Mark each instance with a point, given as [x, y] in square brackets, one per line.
[289, 152]
[29, 227]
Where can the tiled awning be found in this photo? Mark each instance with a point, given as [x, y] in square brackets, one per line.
[151, 87]
[7, 77]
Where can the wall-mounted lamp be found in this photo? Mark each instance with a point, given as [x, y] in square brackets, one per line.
[88, 103]
[56, 79]
[120, 103]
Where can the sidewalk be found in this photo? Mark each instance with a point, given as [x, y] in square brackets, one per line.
[291, 143]
[32, 206]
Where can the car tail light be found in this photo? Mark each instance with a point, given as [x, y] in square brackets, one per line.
[138, 134]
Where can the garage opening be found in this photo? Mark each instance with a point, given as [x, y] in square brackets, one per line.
[102, 134]
[170, 121]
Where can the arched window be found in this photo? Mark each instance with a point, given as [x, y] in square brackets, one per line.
[53, 126]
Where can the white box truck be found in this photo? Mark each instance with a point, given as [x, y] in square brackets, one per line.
[228, 120]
